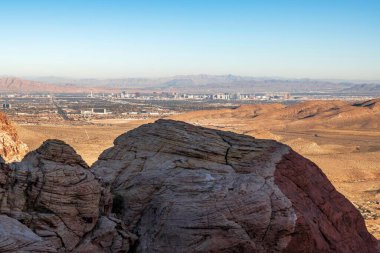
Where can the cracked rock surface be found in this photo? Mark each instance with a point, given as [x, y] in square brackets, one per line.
[53, 192]
[16, 237]
[182, 188]
[174, 187]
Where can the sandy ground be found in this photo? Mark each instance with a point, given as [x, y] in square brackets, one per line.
[89, 140]
[350, 159]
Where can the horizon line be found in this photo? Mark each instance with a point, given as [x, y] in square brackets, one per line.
[28, 77]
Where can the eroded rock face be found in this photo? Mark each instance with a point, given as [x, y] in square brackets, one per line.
[11, 148]
[53, 193]
[331, 223]
[16, 237]
[182, 188]
[175, 187]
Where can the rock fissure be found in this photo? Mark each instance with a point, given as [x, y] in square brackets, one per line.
[227, 151]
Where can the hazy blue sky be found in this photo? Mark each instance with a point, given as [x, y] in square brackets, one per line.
[305, 38]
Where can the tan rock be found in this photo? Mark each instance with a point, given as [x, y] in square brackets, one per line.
[11, 147]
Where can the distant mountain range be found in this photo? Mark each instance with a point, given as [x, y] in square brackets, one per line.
[14, 84]
[365, 88]
[185, 83]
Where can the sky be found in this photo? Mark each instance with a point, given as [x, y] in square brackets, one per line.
[329, 39]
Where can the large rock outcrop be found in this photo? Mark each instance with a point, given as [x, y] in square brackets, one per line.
[182, 188]
[174, 187]
[54, 194]
[11, 147]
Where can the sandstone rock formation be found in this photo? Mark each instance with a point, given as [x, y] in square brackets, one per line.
[53, 193]
[174, 187]
[11, 148]
[16, 237]
[182, 188]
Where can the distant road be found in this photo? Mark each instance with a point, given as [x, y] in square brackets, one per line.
[60, 110]
[342, 135]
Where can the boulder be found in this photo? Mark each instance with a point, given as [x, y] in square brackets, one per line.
[182, 188]
[53, 192]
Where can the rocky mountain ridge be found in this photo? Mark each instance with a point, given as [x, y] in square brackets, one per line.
[211, 83]
[174, 187]
[187, 84]
[19, 85]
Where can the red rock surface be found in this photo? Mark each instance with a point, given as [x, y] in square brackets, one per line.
[326, 220]
[11, 147]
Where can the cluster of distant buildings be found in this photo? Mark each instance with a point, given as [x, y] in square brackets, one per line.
[94, 111]
[187, 96]
[103, 111]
